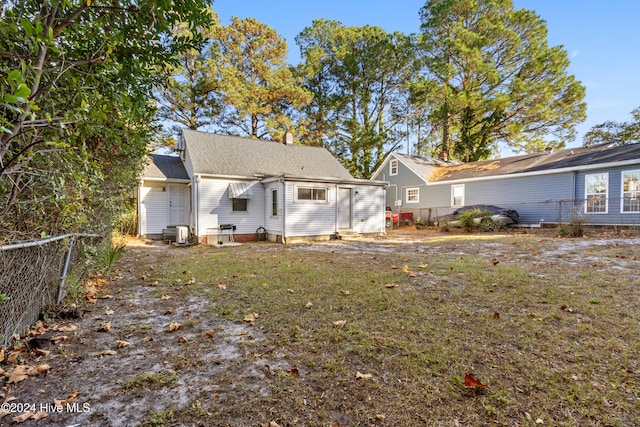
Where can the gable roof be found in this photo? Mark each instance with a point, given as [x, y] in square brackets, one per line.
[165, 167]
[573, 158]
[227, 155]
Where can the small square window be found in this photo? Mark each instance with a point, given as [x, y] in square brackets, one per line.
[239, 205]
[413, 195]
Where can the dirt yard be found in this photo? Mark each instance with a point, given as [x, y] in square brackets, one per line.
[218, 336]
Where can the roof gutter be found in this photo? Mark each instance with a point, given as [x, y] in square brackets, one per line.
[174, 180]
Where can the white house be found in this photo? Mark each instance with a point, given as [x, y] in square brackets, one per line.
[286, 192]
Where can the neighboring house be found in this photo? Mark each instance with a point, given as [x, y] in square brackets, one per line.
[598, 185]
[293, 192]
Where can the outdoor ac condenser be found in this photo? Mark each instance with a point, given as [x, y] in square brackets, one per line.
[182, 235]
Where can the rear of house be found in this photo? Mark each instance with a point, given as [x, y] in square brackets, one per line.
[240, 188]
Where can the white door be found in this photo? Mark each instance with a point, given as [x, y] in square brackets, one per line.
[344, 208]
[178, 205]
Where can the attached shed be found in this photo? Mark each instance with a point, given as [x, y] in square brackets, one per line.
[164, 199]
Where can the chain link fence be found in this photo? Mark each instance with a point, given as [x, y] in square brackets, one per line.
[531, 213]
[33, 277]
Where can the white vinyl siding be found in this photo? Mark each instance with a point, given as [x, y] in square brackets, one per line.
[309, 217]
[631, 191]
[154, 209]
[596, 193]
[215, 207]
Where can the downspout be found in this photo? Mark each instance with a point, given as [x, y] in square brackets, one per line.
[575, 194]
[196, 206]
[139, 205]
[336, 219]
[284, 211]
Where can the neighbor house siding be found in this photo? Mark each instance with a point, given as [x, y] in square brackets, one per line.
[310, 218]
[216, 208]
[398, 185]
[153, 209]
[614, 214]
[544, 198]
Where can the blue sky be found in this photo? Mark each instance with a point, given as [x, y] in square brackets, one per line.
[601, 38]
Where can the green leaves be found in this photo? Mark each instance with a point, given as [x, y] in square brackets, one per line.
[491, 77]
[74, 105]
[359, 77]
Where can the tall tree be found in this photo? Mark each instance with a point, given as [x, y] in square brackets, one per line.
[614, 132]
[359, 79]
[259, 88]
[491, 77]
[75, 84]
[191, 96]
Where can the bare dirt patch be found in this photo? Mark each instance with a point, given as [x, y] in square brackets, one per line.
[247, 335]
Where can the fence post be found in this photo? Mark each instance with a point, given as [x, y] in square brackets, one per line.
[65, 269]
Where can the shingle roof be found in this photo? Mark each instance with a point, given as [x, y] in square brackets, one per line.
[537, 162]
[422, 165]
[236, 156]
[165, 167]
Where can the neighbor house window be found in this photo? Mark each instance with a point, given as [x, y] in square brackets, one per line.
[239, 205]
[631, 191]
[274, 202]
[596, 192]
[393, 167]
[311, 193]
[457, 195]
[413, 195]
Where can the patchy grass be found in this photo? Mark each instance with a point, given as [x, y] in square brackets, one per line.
[360, 333]
[147, 379]
[554, 338]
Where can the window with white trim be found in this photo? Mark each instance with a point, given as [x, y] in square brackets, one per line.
[413, 195]
[314, 194]
[631, 191]
[239, 205]
[596, 192]
[393, 167]
[274, 202]
[457, 195]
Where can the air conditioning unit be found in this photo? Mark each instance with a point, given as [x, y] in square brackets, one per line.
[182, 235]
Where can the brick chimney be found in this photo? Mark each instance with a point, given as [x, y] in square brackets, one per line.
[444, 156]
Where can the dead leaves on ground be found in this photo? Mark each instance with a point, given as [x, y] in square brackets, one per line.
[339, 323]
[22, 372]
[251, 317]
[36, 416]
[361, 376]
[472, 382]
[70, 399]
[174, 326]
